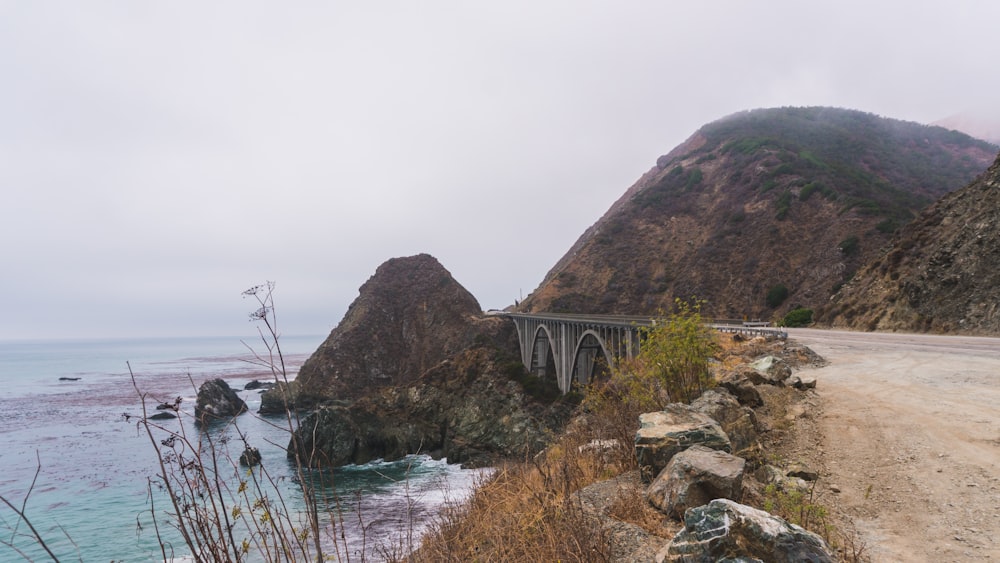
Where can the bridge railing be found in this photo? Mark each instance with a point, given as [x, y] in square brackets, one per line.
[754, 327]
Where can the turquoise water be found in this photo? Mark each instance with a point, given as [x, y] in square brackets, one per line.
[91, 498]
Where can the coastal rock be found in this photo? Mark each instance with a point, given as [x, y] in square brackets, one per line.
[726, 530]
[280, 398]
[257, 384]
[217, 401]
[468, 410]
[693, 478]
[410, 316]
[250, 457]
[663, 434]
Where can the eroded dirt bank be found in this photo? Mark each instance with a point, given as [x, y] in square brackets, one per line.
[909, 434]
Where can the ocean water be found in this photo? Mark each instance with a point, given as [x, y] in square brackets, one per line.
[77, 439]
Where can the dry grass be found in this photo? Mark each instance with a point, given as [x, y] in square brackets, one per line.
[530, 510]
[527, 511]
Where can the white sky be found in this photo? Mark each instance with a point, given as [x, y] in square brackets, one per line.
[157, 158]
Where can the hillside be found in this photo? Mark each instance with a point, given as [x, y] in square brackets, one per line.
[942, 273]
[792, 198]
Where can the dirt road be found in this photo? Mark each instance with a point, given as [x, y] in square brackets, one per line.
[909, 434]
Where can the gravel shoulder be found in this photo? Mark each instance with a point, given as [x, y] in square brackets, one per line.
[907, 440]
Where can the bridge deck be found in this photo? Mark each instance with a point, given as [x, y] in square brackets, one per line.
[574, 342]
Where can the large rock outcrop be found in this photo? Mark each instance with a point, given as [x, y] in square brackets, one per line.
[415, 367]
[409, 316]
[468, 409]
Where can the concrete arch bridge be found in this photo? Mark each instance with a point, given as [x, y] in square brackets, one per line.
[573, 348]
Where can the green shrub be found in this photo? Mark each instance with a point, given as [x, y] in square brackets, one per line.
[676, 351]
[776, 296]
[799, 316]
[887, 226]
[850, 245]
[694, 178]
[809, 189]
[783, 204]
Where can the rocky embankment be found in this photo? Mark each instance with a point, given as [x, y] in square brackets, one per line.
[710, 466]
[415, 367]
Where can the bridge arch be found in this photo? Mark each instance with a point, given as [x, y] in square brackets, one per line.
[617, 337]
[590, 349]
[543, 354]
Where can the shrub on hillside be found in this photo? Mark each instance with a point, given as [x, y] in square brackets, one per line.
[799, 316]
[776, 296]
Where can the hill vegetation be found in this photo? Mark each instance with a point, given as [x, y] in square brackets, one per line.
[941, 274]
[792, 198]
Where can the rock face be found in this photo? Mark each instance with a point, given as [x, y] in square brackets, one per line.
[217, 401]
[467, 409]
[941, 274]
[663, 434]
[409, 316]
[726, 530]
[693, 478]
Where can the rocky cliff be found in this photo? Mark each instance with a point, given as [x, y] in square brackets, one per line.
[409, 316]
[415, 367]
[759, 212]
[941, 274]
[470, 409]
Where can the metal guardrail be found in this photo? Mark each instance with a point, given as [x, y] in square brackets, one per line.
[730, 326]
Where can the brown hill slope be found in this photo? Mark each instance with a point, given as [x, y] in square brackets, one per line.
[792, 197]
[942, 273]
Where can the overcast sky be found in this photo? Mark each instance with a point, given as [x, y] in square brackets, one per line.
[157, 158]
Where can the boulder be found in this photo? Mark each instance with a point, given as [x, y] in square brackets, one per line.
[283, 397]
[217, 401]
[726, 530]
[802, 471]
[738, 422]
[693, 478]
[743, 389]
[663, 434]
[781, 479]
[327, 437]
[250, 457]
[770, 370]
[800, 383]
[258, 384]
